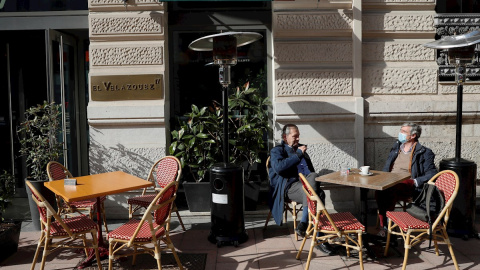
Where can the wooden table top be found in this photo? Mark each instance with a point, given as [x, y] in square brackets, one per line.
[97, 185]
[379, 180]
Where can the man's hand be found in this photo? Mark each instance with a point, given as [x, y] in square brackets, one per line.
[303, 148]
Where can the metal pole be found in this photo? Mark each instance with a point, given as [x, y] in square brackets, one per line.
[225, 124]
[458, 144]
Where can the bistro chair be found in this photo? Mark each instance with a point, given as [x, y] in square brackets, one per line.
[141, 234]
[68, 230]
[166, 170]
[286, 208]
[415, 231]
[57, 171]
[338, 228]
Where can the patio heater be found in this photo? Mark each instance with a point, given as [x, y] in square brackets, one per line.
[461, 51]
[226, 179]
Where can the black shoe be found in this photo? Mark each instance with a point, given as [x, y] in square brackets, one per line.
[326, 248]
[301, 229]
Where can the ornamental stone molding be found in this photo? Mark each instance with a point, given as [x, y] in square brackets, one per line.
[398, 22]
[405, 80]
[313, 52]
[126, 54]
[396, 52]
[115, 24]
[399, 1]
[325, 21]
[119, 5]
[452, 88]
[313, 83]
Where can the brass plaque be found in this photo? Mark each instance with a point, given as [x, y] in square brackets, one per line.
[126, 87]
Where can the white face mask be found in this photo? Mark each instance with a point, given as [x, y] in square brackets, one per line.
[402, 138]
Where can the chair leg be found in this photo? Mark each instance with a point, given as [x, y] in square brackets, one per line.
[389, 230]
[268, 219]
[178, 216]
[110, 255]
[157, 255]
[312, 245]
[172, 248]
[39, 246]
[130, 212]
[450, 248]
[360, 249]
[97, 253]
[294, 217]
[407, 249]
[45, 252]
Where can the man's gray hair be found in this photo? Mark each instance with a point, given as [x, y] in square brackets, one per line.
[415, 129]
[286, 129]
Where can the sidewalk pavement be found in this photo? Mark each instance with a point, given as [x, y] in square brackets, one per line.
[274, 248]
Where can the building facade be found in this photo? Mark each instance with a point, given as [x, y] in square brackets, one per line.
[348, 73]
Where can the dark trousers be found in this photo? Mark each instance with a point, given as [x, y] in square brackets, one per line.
[386, 199]
[295, 193]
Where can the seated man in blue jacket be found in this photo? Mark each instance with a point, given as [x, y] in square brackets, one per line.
[407, 155]
[287, 160]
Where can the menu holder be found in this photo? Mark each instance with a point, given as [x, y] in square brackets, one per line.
[70, 182]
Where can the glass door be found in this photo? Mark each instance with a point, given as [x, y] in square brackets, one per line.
[63, 90]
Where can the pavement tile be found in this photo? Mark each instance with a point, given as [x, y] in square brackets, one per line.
[249, 264]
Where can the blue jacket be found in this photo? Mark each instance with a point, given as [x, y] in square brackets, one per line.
[423, 165]
[283, 171]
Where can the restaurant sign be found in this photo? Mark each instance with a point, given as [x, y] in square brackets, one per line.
[126, 87]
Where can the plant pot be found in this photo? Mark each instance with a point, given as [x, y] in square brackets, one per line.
[9, 238]
[198, 195]
[46, 193]
[251, 193]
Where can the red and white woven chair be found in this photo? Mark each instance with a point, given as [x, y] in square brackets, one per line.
[68, 231]
[286, 209]
[166, 170]
[415, 231]
[57, 171]
[338, 228]
[139, 235]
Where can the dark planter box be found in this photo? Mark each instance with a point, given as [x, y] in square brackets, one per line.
[198, 195]
[9, 238]
[46, 193]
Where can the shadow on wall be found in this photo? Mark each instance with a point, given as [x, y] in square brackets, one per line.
[336, 124]
[135, 161]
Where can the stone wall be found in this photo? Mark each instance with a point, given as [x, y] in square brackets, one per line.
[127, 135]
[351, 72]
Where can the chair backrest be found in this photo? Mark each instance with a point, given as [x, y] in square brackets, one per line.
[448, 183]
[161, 207]
[165, 171]
[57, 171]
[46, 210]
[316, 208]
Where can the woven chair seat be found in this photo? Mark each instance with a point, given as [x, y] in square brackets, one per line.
[126, 231]
[90, 203]
[143, 201]
[344, 222]
[76, 224]
[406, 221]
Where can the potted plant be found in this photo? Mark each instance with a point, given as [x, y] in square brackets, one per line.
[197, 145]
[9, 229]
[198, 141]
[38, 135]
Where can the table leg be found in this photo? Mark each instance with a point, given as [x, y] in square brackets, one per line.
[364, 220]
[102, 248]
